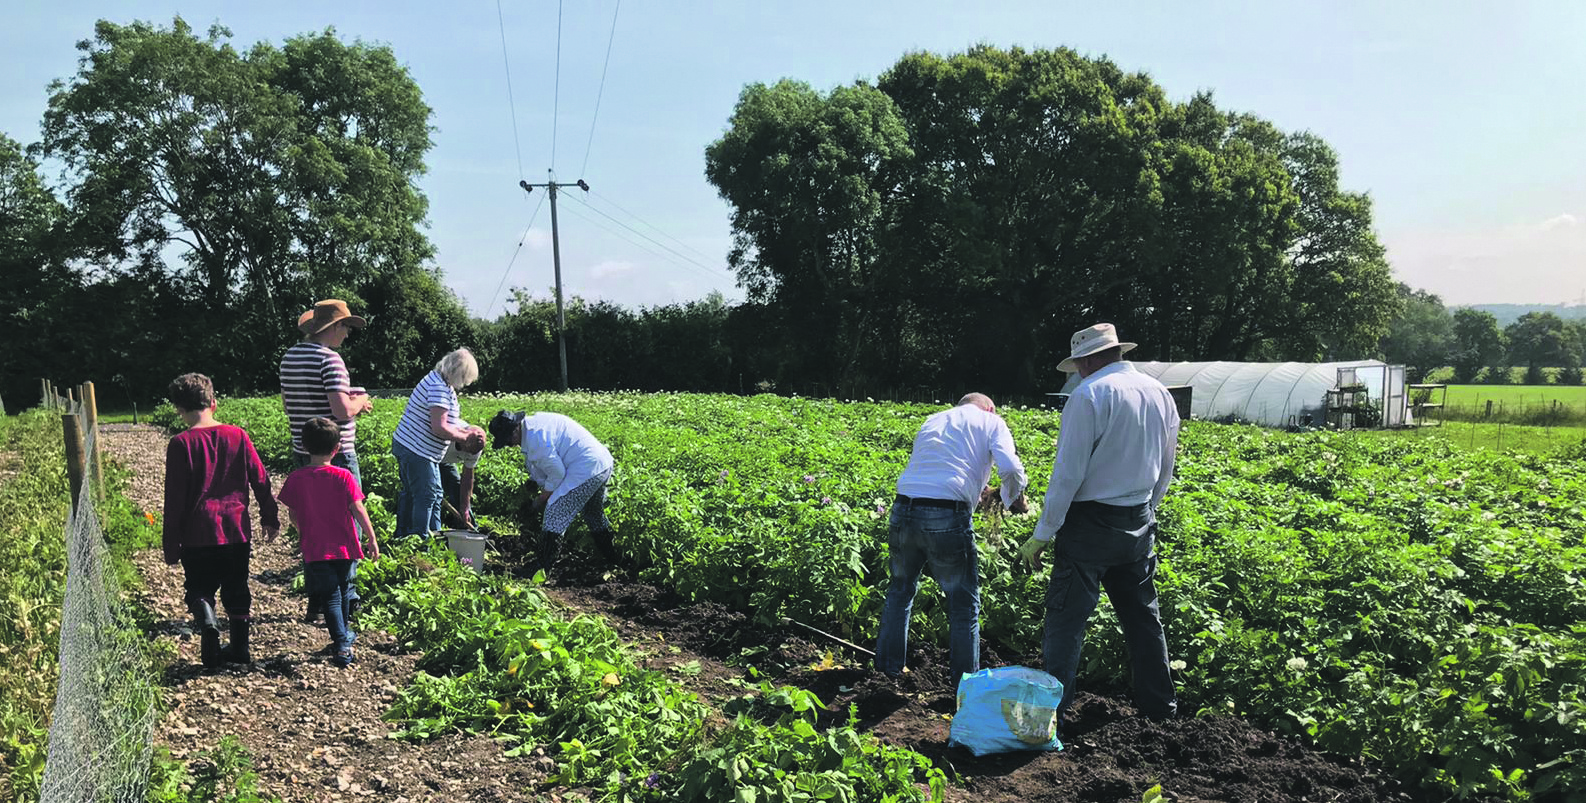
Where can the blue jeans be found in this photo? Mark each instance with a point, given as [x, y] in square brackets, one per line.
[329, 582]
[419, 500]
[945, 539]
[1108, 547]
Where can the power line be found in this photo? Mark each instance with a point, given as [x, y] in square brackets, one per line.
[658, 243]
[641, 246]
[556, 87]
[511, 102]
[514, 258]
[602, 90]
[651, 226]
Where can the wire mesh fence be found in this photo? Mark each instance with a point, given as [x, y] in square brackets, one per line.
[101, 731]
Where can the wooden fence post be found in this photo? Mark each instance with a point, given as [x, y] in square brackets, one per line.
[74, 456]
[96, 460]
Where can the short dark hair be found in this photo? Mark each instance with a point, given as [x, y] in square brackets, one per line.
[321, 436]
[191, 392]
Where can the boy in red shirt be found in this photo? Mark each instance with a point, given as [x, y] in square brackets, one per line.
[208, 472]
[326, 506]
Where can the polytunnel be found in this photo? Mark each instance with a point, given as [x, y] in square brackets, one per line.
[1278, 394]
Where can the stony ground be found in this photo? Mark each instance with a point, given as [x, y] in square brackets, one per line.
[316, 732]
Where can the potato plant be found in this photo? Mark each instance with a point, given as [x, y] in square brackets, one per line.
[1405, 600]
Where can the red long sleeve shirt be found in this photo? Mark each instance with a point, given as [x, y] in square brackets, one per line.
[208, 473]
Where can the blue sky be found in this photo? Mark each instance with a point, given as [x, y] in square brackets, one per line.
[1463, 120]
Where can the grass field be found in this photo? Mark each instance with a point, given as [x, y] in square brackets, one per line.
[1477, 436]
[1543, 405]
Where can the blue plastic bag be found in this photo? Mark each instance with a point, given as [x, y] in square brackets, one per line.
[1006, 709]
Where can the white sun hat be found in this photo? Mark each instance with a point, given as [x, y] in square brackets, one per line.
[1088, 341]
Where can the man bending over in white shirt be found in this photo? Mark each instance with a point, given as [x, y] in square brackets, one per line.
[951, 462]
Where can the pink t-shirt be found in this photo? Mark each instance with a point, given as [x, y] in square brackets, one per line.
[322, 498]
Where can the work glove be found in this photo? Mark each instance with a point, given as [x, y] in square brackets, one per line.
[1031, 552]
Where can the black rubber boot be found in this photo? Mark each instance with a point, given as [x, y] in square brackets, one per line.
[237, 651]
[604, 545]
[208, 633]
[549, 547]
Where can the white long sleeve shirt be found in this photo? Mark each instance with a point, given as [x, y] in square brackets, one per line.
[953, 454]
[1116, 445]
[560, 454]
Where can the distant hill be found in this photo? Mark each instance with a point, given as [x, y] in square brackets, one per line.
[1509, 313]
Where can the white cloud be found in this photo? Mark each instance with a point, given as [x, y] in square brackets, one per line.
[1541, 262]
[538, 239]
[1564, 221]
[610, 268]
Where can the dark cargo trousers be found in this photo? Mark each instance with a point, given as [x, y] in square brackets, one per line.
[1108, 547]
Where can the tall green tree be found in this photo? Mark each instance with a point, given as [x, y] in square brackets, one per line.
[35, 276]
[808, 175]
[1344, 298]
[1538, 340]
[1478, 343]
[254, 181]
[1421, 337]
[1031, 193]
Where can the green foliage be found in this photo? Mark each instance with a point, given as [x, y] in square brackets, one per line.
[500, 660]
[1393, 596]
[35, 277]
[790, 759]
[930, 229]
[1422, 336]
[222, 775]
[225, 190]
[1541, 339]
[34, 504]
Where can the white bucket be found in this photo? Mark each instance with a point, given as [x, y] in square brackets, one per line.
[469, 547]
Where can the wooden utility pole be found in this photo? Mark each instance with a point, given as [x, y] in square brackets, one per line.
[556, 258]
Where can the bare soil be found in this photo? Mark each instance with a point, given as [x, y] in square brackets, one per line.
[1110, 753]
[315, 731]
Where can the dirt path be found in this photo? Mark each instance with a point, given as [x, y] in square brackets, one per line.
[314, 731]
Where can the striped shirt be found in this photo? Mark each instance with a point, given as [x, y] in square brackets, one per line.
[413, 431]
[309, 372]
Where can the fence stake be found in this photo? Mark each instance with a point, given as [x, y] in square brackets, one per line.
[96, 460]
[73, 436]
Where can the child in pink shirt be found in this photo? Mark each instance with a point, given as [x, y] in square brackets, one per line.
[209, 470]
[327, 508]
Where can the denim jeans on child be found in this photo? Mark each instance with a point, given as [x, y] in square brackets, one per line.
[328, 583]
[349, 461]
[419, 500]
[1108, 547]
[944, 538]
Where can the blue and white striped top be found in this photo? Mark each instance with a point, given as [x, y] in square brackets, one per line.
[413, 431]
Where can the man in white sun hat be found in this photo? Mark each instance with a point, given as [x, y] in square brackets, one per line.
[1114, 462]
